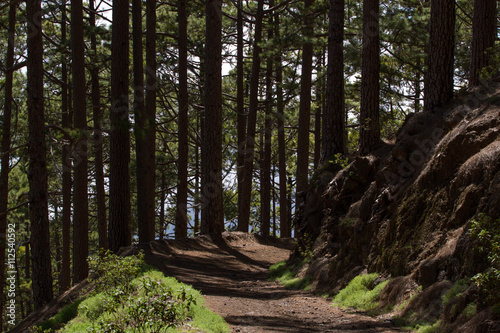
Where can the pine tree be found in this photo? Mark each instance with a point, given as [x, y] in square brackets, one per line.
[212, 215]
[369, 133]
[438, 89]
[183, 126]
[484, 30]
[80, 195]
[334, 136]
[246, 196]
[5, 147]
[37, 173]
[305, 104]
[119, 156]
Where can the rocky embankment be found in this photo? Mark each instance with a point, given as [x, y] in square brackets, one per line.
[405, 211]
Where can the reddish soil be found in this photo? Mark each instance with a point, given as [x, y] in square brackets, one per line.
[233, 278]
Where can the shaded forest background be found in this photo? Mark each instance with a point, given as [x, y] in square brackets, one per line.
[129, 122]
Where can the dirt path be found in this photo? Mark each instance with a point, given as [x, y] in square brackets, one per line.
[233, 280]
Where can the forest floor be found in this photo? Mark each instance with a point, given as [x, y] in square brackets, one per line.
[233, 279]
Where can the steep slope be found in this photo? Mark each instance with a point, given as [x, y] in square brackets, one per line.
[405, 211]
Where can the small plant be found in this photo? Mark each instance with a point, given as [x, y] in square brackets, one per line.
[458, 288]
[346, 222]
[360, 293]
[487, 232]
[109, 271]
[305, 247]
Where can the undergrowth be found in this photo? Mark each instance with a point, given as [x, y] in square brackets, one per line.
[136, 301]
[287, 276]
[361, 293]
[486, 231]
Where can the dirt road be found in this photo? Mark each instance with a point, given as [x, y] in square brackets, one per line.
[233, 279]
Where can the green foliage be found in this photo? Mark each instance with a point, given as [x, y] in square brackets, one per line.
[109, 271]
[428, 328]
[487, 233]
[305, 247]
[65, 315]
[154, 303]
[361, 293]
[287, 276]
[458, 288]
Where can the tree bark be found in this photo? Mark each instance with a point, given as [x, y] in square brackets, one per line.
[246, 190]
[438, 89]
[265, 195]
[484, 29]
[150, 109]
[67, 182]
[240, 101]
[334, 135]
[285, 227]
[6, 142]
[98, 137]
[80, 194]
[145, 170]
[212, 215]
[37, 171]
[119, 177]
[369, 133]
[305, 105]
[181, 221]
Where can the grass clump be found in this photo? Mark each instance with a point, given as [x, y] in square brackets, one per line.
[458, 288]
[361, 293]
[65, 315]
[287, 276]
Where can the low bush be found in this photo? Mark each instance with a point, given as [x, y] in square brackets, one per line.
[149, 303]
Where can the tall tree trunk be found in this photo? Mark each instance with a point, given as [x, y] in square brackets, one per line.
[246, 194]
[98, 136]
[150, 109]
[240, 100]
[119, 178]
[369, 133]
[37, 172]
[484, 30]
[305, 105]
[438, 89]
[265, 195]
[181, 220]
[144, 219]
[6, 141]
[212, 214]
[285, 227]
[197, 183]
[80, 194]
[417, 87]
[67, 182]
[162, 207]
[334, 135]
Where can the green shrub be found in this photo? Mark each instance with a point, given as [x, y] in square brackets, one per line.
[360, 293]
[154, 303]
[109, 271]
[487, 232]
[458, 288]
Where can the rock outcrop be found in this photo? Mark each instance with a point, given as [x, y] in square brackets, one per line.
[405, 210]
